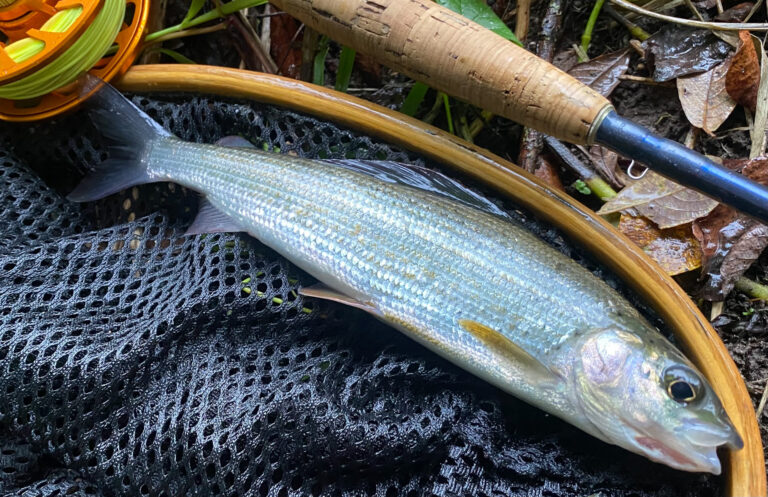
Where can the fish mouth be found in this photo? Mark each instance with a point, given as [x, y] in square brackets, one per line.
[692, 448]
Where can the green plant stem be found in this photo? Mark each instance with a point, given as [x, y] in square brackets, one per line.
[600, 188]
[223, 11]
[318, 69]
[478, 124]
[187, 32]
[752, 288]
[447, 105]
[586, 38]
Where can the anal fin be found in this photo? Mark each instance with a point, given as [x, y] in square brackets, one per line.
[504, 347]
[211, 220]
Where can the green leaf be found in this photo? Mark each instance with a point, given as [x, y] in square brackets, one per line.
[581, 187]
[176, 56]
[346, 62]
[194, 8]
[318, 65]
[414, 98]
[479, 12]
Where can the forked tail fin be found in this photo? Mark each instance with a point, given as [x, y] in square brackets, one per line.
[129, 132]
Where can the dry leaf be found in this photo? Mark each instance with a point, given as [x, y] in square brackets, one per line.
[607, 164]
[730, 241]
[675, 249]
[602, 73]
[675, 51]
[743, 78]
[705, 101]
[737, 13]
[661, 200]
[548, 173]
[285, 45]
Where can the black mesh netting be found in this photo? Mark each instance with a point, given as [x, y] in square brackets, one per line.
[137, 361]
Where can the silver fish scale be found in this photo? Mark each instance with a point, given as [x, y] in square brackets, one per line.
[424, 261]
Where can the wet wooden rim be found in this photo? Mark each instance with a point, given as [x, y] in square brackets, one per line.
[745, 469]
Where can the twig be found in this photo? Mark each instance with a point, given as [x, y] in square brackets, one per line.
[156, 21]
[600, 188]
[646, 80]
[761, 110]
[586, 37]
[763, 400]
[752, 288]
[532, 142]
[249, 46]
[523, 19]
[693, 9]
[634, 30]
[716, 26]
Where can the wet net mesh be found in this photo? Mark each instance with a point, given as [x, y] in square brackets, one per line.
[137, 361]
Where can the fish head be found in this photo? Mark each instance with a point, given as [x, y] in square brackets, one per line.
[639, 392]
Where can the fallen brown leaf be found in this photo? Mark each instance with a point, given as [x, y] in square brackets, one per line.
[607, 163]
[730, 241]
[285, 45]
[661, 200]
[743, 77]
[675, 51]
[548, 173]
[602, 73]
[676, 250]
[705, 101]
[737, 13]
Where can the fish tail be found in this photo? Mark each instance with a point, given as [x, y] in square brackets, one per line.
[129, 133]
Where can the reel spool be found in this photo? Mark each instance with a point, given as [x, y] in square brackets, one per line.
[59, 24]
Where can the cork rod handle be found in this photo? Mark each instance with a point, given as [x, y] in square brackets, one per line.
[434, 45]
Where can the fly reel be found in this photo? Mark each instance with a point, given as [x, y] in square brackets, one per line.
[49, 44]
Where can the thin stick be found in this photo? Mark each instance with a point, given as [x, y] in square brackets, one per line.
[646, 80]
[598, 186]
[715, 26]
[523, 19]
[752, 288]
[532, 142]
[693, 9]
[763, 400]
[635, 30]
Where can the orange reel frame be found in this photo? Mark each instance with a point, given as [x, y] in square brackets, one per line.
[18, 16]
[66, 98]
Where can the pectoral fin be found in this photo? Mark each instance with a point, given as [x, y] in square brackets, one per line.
[323, 292]
[506, 348]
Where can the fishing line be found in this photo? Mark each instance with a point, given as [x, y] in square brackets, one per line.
[77, 59]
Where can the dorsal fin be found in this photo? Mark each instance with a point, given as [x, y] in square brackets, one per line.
[506, 348]
[421, 178]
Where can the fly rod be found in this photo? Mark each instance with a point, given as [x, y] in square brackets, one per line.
[432, 44]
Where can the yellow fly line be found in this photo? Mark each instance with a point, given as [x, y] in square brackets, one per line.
[77, 59]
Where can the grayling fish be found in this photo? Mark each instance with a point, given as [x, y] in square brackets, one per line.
[448, 271]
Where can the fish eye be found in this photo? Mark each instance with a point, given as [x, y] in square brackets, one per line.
[683, 385]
